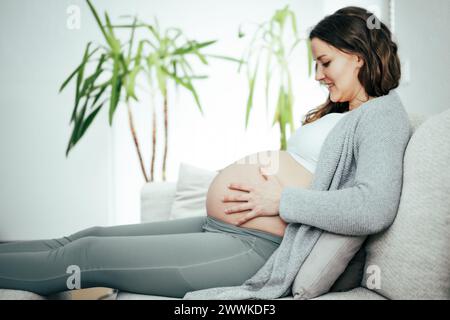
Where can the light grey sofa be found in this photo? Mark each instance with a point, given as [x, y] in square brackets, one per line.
[412, 257]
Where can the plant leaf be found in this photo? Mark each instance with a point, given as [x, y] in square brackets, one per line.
[80, 75]
[99, 94]
[99, 22]
[192, 47]
[154, 32]
[113, 41]
[76, 70]
[78, 120]
[294, 22]
[161, 78]
[310, 59]
[131, 39]
[290, 104]
[224, 58]
[116, 84]
[88, 83]
[187, 83]
[268, 78]
[278, 110]
[250, 96]
[88, 121]
[131, 79]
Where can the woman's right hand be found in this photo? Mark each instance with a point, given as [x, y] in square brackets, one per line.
[261, 199]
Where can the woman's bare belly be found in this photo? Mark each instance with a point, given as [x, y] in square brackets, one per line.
[246, 171]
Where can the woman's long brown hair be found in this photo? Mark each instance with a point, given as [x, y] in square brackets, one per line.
[348, 30]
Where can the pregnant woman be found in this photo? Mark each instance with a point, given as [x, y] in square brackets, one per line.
[341, 173]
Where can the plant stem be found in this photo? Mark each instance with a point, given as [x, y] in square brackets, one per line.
[136, 143]
[152, 166]
[282, 136]
[165, 136]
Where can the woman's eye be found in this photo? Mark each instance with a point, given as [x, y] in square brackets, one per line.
[326, 64]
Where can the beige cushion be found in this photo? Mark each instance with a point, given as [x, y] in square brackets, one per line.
[326, 262]
[191, 191]
[411, 260]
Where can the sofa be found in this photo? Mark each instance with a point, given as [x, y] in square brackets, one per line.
[411, 259]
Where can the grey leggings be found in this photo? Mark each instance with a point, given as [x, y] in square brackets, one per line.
[167, 258]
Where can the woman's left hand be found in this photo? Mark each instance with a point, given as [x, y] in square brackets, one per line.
[262, 199]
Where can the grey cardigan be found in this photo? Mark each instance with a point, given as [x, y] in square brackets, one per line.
[355, 191]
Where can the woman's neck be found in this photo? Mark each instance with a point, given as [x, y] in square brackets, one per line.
[361, 98]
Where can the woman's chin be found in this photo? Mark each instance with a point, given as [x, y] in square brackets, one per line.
[335, 98]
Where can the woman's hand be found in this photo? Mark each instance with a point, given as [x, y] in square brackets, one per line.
[262, 200]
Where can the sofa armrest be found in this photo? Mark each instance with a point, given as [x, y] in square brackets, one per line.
[156, 200]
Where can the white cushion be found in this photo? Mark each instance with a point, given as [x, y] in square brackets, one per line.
[191, 191]
[156, 201]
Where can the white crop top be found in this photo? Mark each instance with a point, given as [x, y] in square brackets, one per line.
[305, 144]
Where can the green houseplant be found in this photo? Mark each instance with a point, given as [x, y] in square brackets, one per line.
[270, 42]
[161, 57]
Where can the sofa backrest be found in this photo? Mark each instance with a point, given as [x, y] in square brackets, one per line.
[411, 259]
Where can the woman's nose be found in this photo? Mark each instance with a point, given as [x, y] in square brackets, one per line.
[319, 74]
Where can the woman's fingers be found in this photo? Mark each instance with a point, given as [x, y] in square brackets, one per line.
[238, 208]
[249, 216]
[241, 187]
[236, 197]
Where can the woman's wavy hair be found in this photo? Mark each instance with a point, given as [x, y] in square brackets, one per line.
[348, 30]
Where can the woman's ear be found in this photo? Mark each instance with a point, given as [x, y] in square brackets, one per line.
[359, 61]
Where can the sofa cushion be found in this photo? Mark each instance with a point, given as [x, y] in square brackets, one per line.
[156, 200]
[191, 191]
[353, 274]
[411, 259]
[325, 263]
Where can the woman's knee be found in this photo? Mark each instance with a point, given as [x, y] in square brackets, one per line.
[95, 231]
[84, 251]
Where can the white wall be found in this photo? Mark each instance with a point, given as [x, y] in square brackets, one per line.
[422, 31]
[43, 194]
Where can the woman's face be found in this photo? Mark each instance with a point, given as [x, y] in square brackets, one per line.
[338, 71]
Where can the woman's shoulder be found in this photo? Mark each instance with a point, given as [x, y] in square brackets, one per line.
[385, 114]
[383, 105]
